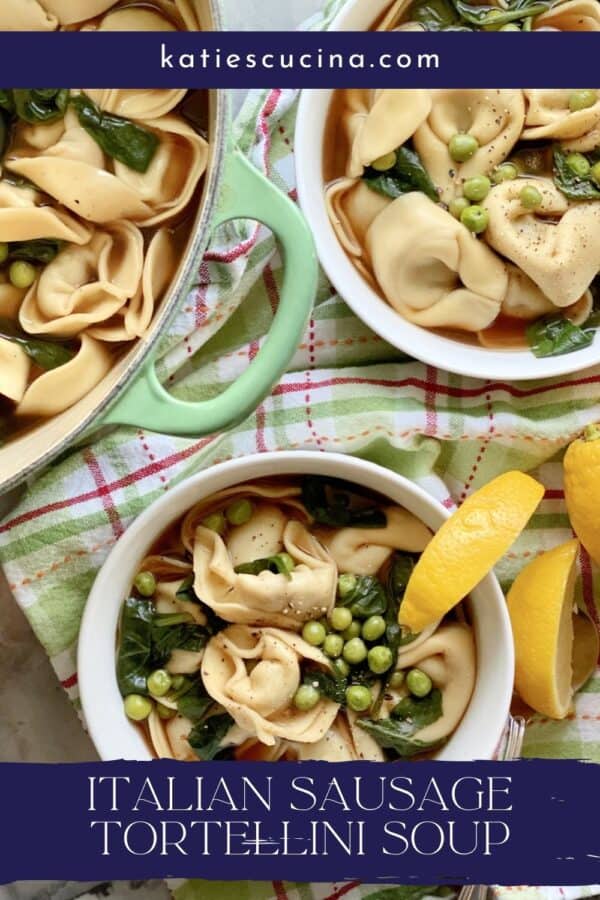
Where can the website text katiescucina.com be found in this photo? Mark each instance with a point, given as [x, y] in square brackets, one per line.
[314, 60]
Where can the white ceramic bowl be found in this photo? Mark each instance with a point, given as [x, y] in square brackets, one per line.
[116, 738]
[431, 348]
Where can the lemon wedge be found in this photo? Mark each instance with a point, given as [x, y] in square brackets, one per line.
[540, 605]
[467, 547]
[582, 489]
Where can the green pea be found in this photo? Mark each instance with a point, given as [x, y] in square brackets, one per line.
[341, 618]
[578, 164]
[505, 172]
[582, 100]
[530, 197]
[418, 683]
[22, 274]
[477, 188]
[341, 667]
[314, 633]
[396, 680]
[4, 250]
[137, 707]
[373, 628]
[355, 651]
[510, 26]
[159, 683]
[239, 512]
[346, 584]
[145, 583]
[286, 562]
[358, 697]
[380, 658]
[353, 630]
[215, 522]
[306, 697]
[165, 712]
[333, 645]
[475, 218]
[462, 147]
[457, 206]
[384, 163]
[595, 172]
[177, 682]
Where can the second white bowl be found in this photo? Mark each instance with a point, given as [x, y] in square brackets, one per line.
[115, 737]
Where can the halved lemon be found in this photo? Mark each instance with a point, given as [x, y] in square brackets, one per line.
[555, 650]
[467, 547]
[582, 489]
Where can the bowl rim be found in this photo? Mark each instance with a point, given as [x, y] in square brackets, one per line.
[433, 349]
[116, 738]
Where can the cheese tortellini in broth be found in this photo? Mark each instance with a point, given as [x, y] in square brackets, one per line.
[97, 197]
[267, 617]
[473, 212]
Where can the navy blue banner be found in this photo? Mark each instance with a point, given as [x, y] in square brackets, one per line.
[526, 822]
[298, 59]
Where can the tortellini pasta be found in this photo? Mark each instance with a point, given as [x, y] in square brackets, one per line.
[561, 257]
[549, 116]
[254, 675]
[449, 211]
[430, 268]
[257, 626]
[448, 658]
[273, 597]
[363, 551]
[93, 221]
[104, 15]
[493, 117]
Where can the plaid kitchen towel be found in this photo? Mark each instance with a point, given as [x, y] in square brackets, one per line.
[347, 391]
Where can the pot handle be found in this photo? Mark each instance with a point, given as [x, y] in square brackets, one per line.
[247, 194]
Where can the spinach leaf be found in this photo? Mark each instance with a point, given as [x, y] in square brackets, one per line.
[134, 660]
[195, 702]
[7, 102]
[39, 105]
[367, 599]
[407, 174]
[493, 17]
[176, 631]
[434, 15]
[557, 335]
[45, 354]
[207, 736]
[399, 572]
[571, 185]
[119, 138]
[39, 251]
[329, 684]
[397, 732]
[418, 712]
[333, 502]
[277, 564]
[186, 589]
